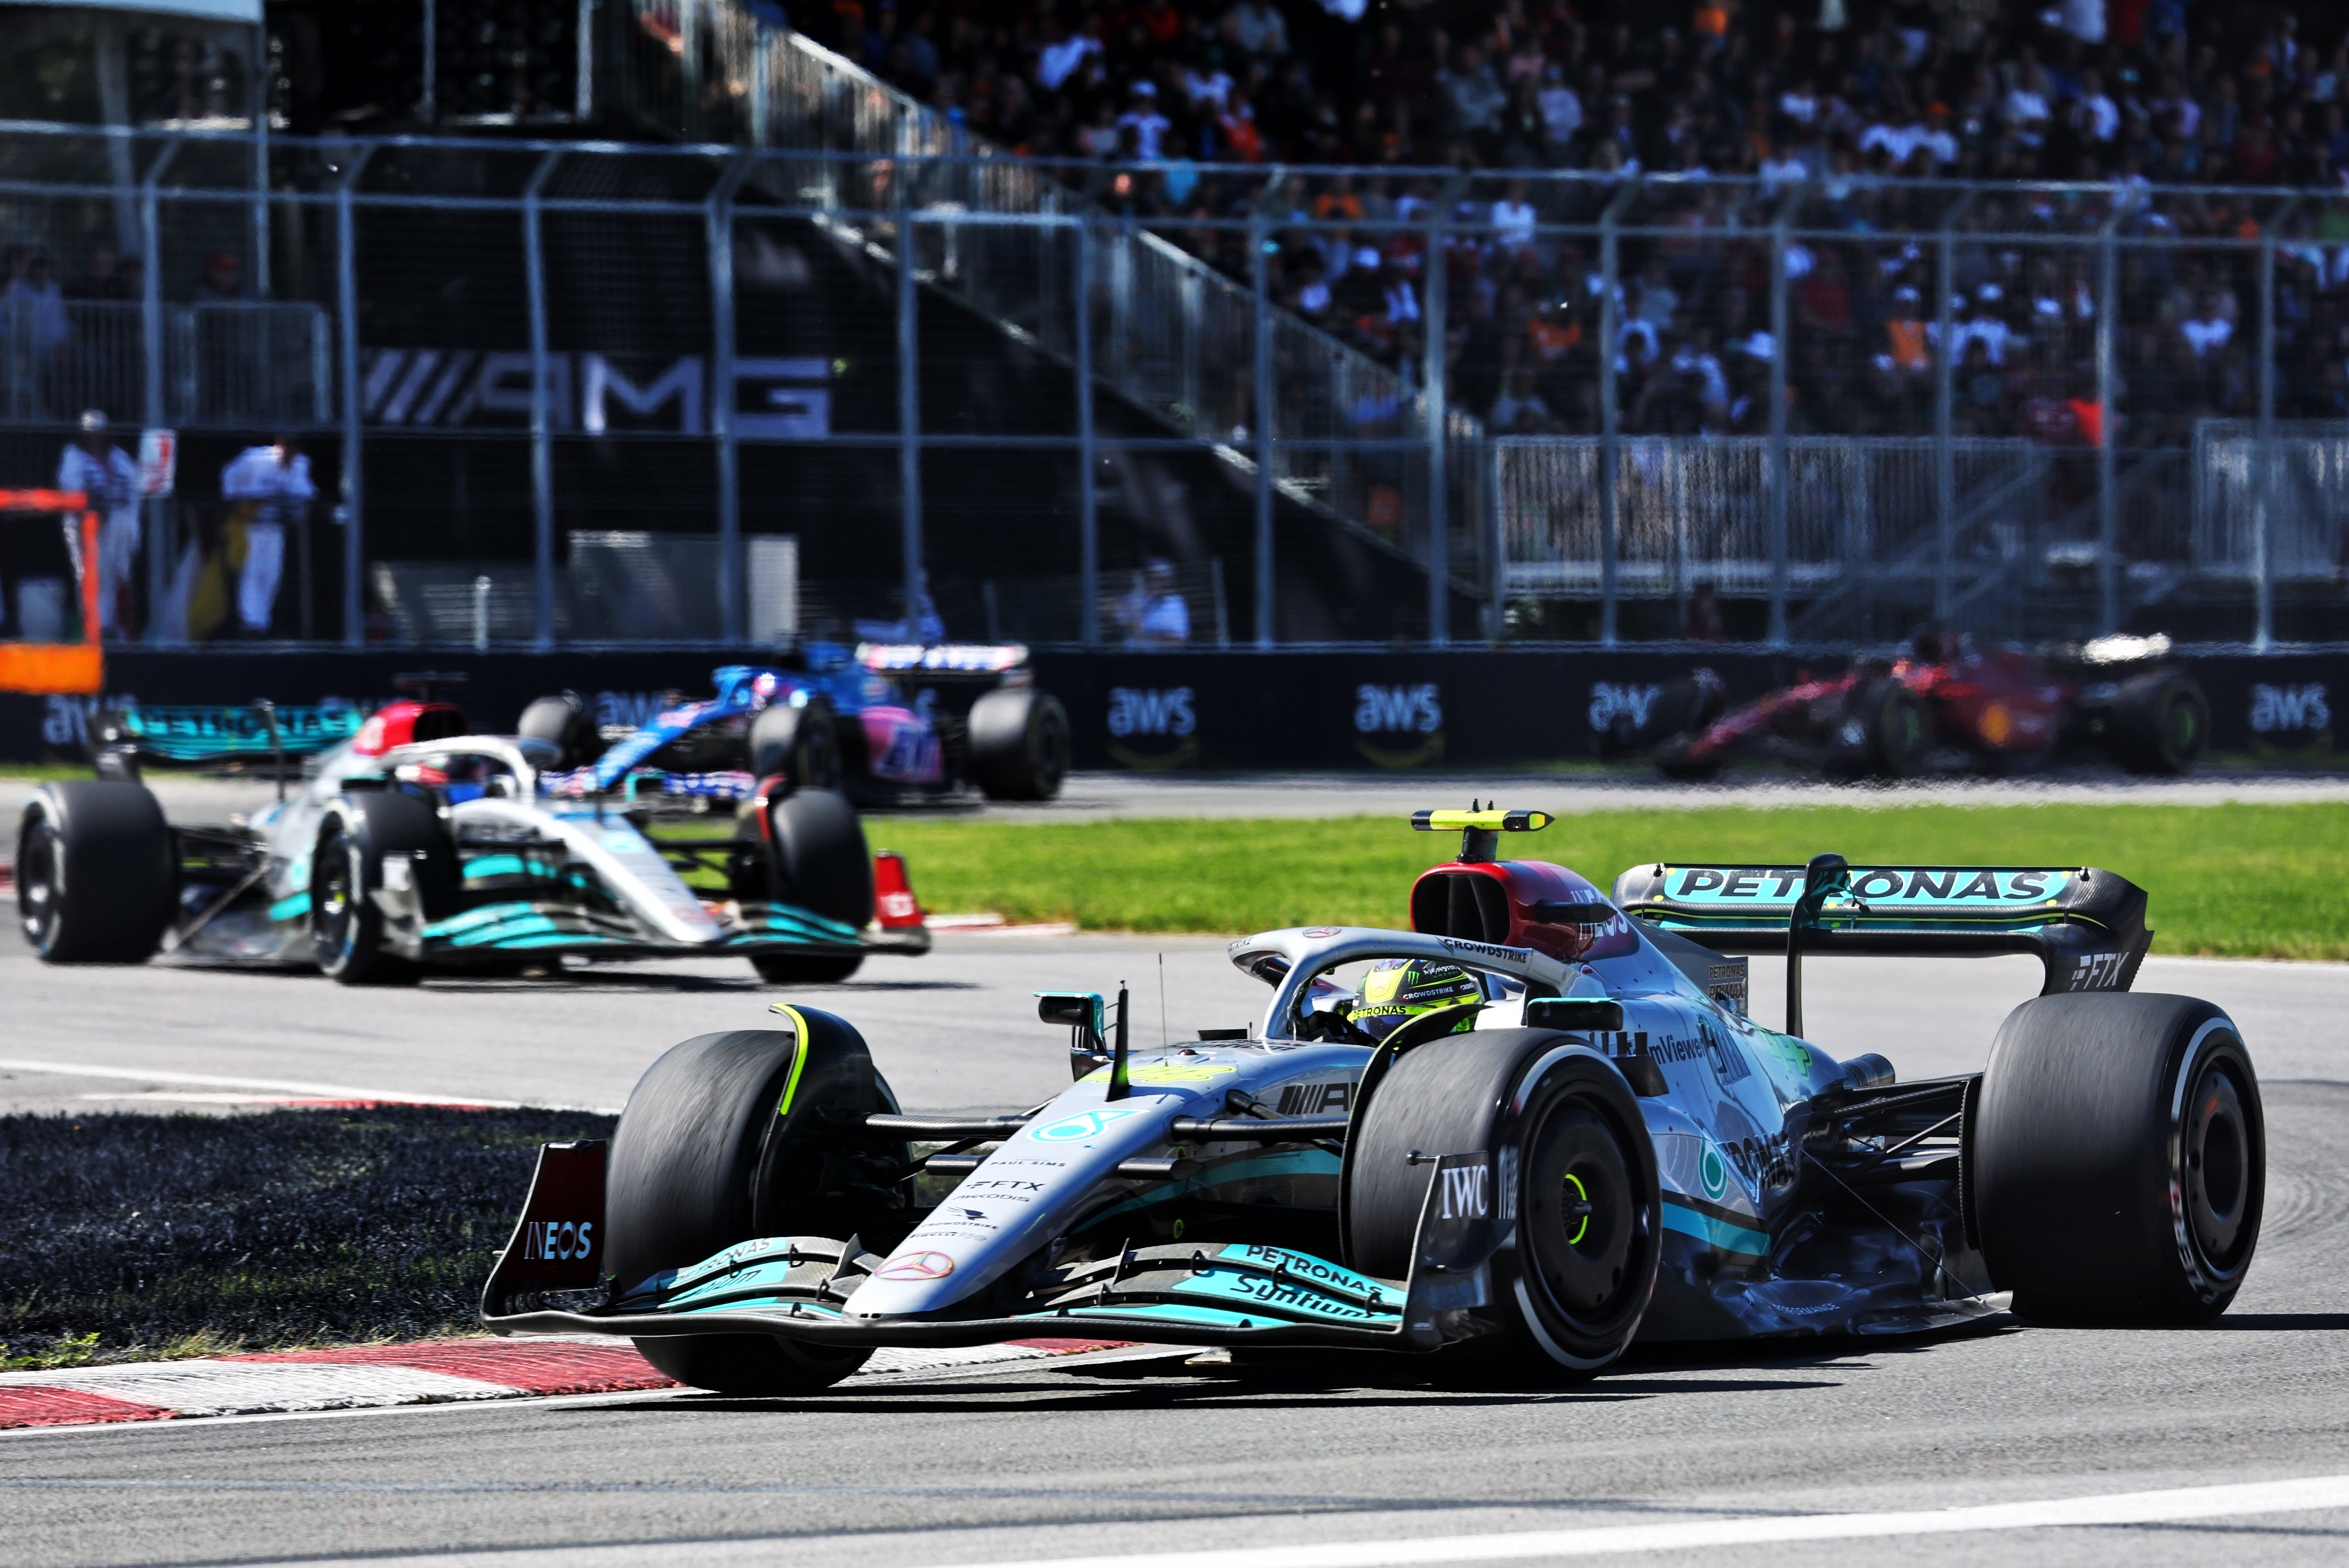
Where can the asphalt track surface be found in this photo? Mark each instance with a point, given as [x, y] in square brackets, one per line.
[1740, 1455]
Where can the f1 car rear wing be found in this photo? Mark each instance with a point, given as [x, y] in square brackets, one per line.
[246, 732]
[2086, 927]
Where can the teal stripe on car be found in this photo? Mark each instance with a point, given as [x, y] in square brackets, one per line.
[1714, 1232]
[290, 907]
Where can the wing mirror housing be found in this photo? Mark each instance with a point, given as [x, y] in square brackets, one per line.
[1083, 1014]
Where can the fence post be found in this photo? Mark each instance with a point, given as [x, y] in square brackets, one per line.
[1945, 410]
[542, 439]
[260, 156]
[150, 331]
[347, 310]
[1610, 435]
[2108, 517]
[1262, 427]
[1438, 410]
[909, 401]
[2263, 634]
[583, 94]
[1087, 507]
[731, 575]
[1782, 350]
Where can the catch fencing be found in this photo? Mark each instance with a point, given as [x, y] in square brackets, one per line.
[870, 363]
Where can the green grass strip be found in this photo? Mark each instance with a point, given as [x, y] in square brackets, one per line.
[2234, 880]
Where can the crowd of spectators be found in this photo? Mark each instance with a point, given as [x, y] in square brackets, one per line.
[1467, 104]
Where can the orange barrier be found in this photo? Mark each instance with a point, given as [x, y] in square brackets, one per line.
[45, 668]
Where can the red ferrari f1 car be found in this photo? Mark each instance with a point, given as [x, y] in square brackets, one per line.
[1949, 706]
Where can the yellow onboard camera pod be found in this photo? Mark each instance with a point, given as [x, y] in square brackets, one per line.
[1480, 830]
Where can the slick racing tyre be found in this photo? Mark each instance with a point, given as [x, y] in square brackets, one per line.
[346, 926]
[1574, 1278]
[801, 743]
[2160, 723]
[1884, 733]
[715, 1147]
[564, 723]
[2116, 1159]
[1019, 743]
[98, 873]
[810, 853]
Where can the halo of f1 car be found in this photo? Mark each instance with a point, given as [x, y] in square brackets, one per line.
[838, 721]
[1946, 706]
[407, 843]
[1587, 1142]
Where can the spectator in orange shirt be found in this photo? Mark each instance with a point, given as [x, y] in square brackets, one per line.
[1905, 334]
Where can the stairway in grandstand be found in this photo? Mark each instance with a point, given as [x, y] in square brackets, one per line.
[1170, 333]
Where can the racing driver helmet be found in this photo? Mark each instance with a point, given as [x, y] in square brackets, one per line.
[1397, 991]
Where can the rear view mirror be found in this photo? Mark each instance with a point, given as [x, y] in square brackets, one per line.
[1082, 1013]
[1075, 1009]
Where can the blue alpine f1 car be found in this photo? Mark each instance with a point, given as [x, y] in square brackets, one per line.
[840, 720]
[1541, 1120]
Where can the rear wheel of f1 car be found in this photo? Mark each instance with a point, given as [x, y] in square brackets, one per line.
[2117, 1159]
[564, 723]
[1559, 1121]
[346, 925]
[812, 854]
[96, 873]
[801, 743]
[2160, 723]
[715, 1147]
[1019, 743]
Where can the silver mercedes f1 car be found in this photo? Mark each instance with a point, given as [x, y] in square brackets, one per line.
[1541, 1118]
[400, 844]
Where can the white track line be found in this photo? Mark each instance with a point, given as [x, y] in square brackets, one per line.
[756, 1552]
[2113, 1508]
[271, 1086]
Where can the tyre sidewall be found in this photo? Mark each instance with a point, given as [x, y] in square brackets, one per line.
[1492, 1091]
[112, 871]
[1564, 1080]
[1019, 744]
[2078, 1173]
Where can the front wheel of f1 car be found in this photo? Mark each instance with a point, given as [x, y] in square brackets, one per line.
[96, 873]
[808, 851]
[1570, 1158]
[2118, 1159]
[720, 1142]
[347, 924]
[1019, 744]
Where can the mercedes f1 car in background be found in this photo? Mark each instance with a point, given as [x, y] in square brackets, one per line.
[1541, 1120]
[407, 844]
[1947, 706]
[841, 722]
